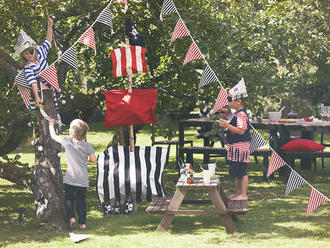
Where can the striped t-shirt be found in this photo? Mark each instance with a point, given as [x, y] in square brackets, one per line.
[33, 69]
[240, 152]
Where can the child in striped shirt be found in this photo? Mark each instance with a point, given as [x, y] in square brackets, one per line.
[238, 145]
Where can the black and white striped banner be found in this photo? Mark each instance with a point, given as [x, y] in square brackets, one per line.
[138, 174]
[70, 57]
[295, 181]
[105, 17]
[167, 8]
[208, 76]
[257, 141]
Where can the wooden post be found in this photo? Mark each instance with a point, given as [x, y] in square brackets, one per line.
[129, 89]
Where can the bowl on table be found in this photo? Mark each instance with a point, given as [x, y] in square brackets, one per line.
[274, 116]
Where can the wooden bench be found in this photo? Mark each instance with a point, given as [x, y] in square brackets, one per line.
[221, 152]
[291, 156]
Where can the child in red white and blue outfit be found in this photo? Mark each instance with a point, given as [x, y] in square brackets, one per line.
[238, 141]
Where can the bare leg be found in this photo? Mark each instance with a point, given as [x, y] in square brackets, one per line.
[243, 189]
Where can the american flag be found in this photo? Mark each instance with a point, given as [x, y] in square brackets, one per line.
[50, 75]
[128, 57]
[70, 57]
[208, 76]
[275, 162]
[105, 17]
[256, 141]
[120, 1]
[315, 200]
[88, 38]
[26, 95]
[221, 100]
[180, 30]
[193, 53]
[294, 181]
[167, 8]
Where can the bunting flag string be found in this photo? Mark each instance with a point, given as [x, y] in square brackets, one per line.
[70, 57]
[257, 141]
[294, 182]
[88, 38]
[21, 80]
[106, 17]
[50, 75]
[208, 76]
[180, 30]
[275, 163]
[221, 100]
[167, 8]
[120, 1]
[315, 199]
[193, 53]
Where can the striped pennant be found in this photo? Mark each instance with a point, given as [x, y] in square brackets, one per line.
[121, 173]
[120, 1]
[21, 80]
[26, 95]
[180, 30]
[70, 57]
[256, 141]
[105, 17]
[167, 8]
[294, 181]
[88, 38]
[275, 162]
[50, 75]
[193, 53]
[221, 100]
[208, 76]
[315, 200]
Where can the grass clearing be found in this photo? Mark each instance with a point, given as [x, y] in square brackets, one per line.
[273, 219]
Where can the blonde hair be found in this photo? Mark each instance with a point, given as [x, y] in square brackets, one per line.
[78, 129]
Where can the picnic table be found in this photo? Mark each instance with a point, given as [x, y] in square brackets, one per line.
[169, 207]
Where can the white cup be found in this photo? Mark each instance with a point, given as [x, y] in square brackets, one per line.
[206, 176]
[211, 168]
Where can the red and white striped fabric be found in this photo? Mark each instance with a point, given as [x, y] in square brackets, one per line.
[221, 100]
[239, 152]
[193, 53]
[275, 162]
[315, 200]
[180, 30]
[120, 1]
[50, 75]
[88, 38]
[128, 57]
[26, 95]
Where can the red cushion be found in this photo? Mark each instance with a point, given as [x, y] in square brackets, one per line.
[302, 145]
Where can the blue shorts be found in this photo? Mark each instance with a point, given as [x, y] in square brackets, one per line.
[237, 169]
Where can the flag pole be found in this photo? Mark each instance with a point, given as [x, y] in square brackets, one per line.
[129, 74]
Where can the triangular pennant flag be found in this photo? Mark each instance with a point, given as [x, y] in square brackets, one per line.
[88, 38]
[221, 100]
[79, 237]
[105, 17]
[120, 1]
[275, 162]
[315, 200]
[70, 57]
[26, 95]
[256, 141]
[193, 53]
[208, 76]
[180, 30]
[167, 8]
[21, 80]
[294, 181]
[50, 75]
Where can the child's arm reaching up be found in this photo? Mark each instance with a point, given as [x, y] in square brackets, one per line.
[52, 132]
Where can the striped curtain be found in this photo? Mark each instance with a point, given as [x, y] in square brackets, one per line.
[138, 174]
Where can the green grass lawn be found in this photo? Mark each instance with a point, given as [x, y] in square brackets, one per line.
[273, 220]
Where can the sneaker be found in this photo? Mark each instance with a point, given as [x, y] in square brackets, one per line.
[129, 206]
